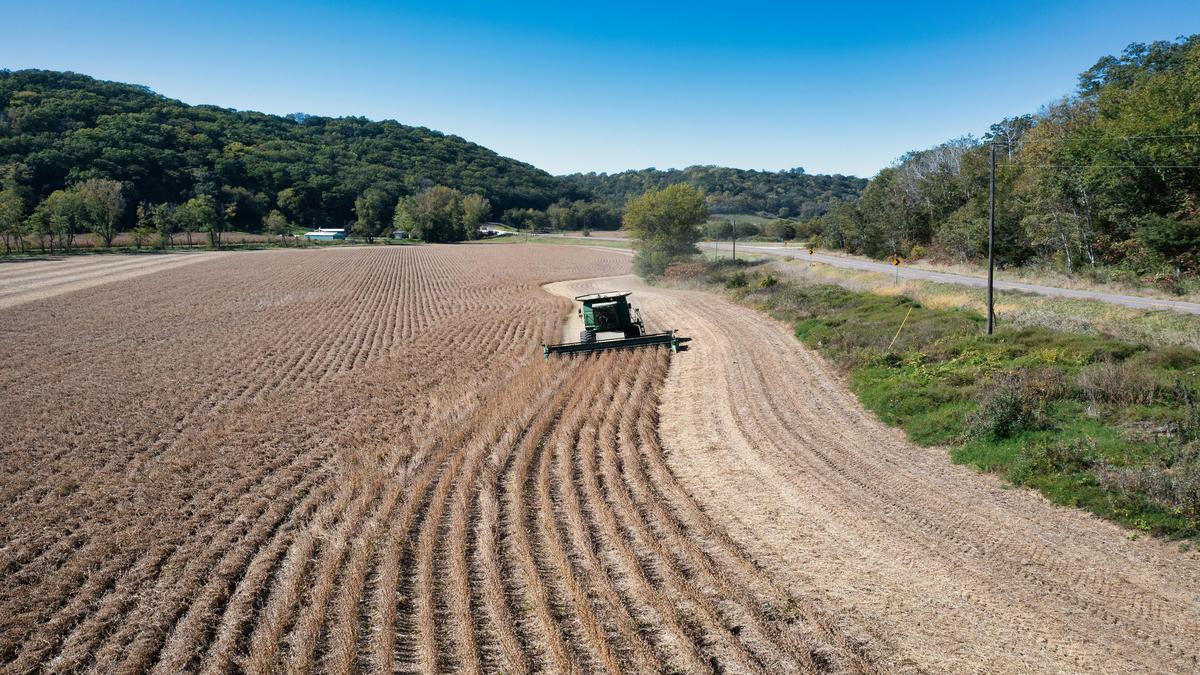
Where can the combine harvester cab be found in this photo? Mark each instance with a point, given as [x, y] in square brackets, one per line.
[609, 322]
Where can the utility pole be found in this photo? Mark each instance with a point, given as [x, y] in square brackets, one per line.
[991, 306]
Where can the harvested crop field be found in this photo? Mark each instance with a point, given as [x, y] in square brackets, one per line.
[27, 280]
[955, 571]
[357, 460]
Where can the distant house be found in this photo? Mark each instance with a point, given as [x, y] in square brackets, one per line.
[326, 234]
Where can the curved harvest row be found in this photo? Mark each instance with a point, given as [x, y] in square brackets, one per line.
[356, 460]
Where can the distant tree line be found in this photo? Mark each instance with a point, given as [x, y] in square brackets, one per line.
[566, 215]
[214, 170]
[1107, 176]
[786, 194]
[782, 229]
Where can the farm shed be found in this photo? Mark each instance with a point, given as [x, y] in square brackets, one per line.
[326, 234]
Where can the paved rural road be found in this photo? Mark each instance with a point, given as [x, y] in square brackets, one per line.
[947, 277]
[950, 569]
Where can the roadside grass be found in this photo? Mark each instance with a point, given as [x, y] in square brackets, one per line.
[1098, 422]
[1014, 309]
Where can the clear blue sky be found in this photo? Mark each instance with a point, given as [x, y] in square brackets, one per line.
[578, 86]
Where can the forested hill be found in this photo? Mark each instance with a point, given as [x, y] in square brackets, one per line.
[790, 193]
[63, 128]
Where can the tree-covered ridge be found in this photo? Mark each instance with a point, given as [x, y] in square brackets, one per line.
[61, 129]
[1108, 177]
[791, 193]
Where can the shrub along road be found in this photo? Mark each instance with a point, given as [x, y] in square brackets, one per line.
[952, 568]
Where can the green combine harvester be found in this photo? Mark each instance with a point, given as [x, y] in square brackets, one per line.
[609, 322]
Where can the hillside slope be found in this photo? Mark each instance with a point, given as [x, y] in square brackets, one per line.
[65, 127]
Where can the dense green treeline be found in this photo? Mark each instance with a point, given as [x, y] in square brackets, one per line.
[1106, 179]
[788, 194]
[59, 130]
[171, 168]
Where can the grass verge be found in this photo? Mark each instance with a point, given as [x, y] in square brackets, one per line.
[1095, 422]
[1067, 315]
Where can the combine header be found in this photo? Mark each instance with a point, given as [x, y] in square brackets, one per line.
[610, 323]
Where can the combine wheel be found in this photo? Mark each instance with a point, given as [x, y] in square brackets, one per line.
[587, 337]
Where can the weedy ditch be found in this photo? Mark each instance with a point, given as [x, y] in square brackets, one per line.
[1091, 421]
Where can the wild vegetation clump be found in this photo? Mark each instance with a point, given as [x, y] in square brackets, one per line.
[1089, 420]
[1015, 401]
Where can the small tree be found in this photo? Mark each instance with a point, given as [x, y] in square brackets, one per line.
[782, 229]
[38, 224]
[372, 213]
[277, 223]
[162, 218]
[12, 219]
[140, 235]
[60, 217]
[219, 225]
[667, 225]
[199, 214]
[475, 210]
[434, 214]
[291, 203]
[103, 206]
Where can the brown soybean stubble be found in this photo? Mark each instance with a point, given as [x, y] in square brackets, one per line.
[356, 460]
